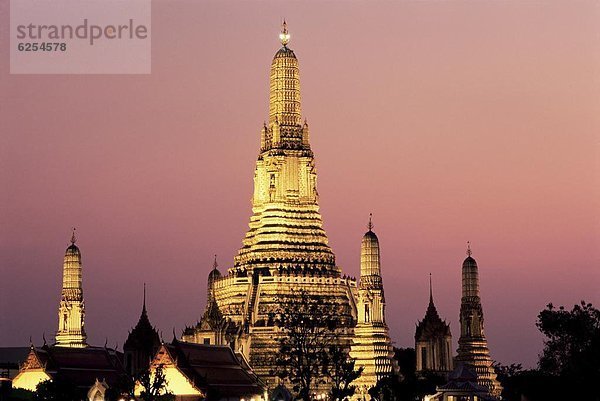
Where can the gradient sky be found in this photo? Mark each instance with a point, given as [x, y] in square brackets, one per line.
[448, 120]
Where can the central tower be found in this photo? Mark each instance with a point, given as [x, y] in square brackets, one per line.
[285, 252]
[286, 230]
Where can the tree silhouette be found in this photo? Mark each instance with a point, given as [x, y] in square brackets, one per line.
[310, 347]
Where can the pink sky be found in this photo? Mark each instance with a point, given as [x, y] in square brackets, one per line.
[449, 121]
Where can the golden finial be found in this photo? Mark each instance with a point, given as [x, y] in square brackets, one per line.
[469, 252]
[370, 225]
[73, 238]
[284, 36]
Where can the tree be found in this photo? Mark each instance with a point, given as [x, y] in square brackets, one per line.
[342, 372]
[57, 389]
[154, 385]
[309, 345]
[572, 345]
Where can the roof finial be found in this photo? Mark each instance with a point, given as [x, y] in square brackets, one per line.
[370, 225]
[469, 252]
[215, 264]
[284, 36]
[73, 238]
[144, 304]
[430, 290]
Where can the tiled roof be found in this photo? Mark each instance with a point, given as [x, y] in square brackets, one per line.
[215, 367]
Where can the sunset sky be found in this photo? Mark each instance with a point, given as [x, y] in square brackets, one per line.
[448, 120]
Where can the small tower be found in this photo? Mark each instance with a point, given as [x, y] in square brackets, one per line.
[213, 328]
[472, 346]
[372, 346]
[141, 344]
[433, 341]
[71, 311]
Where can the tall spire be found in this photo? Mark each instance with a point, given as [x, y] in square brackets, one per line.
[215, 264]
[372, 347]
[430, 290]
[71, 312]
[286, 229]
[472, 346]
[144, 304]
[284, 99]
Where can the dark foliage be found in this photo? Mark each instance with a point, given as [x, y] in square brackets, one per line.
[58, 390]
[154, 386]
[341, 370]
[569, 365]
[309, 347]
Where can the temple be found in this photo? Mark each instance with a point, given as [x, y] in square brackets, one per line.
[433, 342]
[285, 252]
[141, 344]
[71, 312]
[473, 350]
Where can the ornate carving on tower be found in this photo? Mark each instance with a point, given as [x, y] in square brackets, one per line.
[71, 311]
[372, 346]
[472, 346]
[433, 341]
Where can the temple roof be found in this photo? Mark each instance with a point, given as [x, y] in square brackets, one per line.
[81, 366]
[143, 335]
[214, 367]
[431, 325]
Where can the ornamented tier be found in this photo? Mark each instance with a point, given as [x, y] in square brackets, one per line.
[371, 344]
[71, 312]
[472, 346]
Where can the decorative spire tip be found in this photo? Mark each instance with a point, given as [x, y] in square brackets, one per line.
[144, 302]
[430, 289]
[370, 225]
[469, 252]
[73, 238]
[284, 36]
[215, 264]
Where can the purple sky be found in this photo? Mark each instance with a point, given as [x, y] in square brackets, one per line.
[449, 121]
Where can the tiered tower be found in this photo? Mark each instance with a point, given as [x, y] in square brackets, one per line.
[285, 251]
[71, 312]
[433, 341]
[371, 348]
[472, 345]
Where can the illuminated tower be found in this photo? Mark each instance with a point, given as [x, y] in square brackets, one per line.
[285, 251]
[472, 345]
[371, 348]
[433, 341]
[286, 227]
[71, 312]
